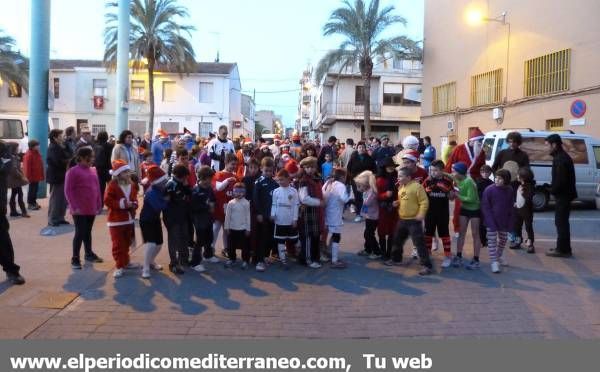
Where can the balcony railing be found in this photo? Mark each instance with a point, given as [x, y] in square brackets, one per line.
[306, 99]
[350, 109]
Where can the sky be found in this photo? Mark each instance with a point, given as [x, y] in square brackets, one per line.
[272, 41]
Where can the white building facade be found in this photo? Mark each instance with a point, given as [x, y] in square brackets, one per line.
[247, 128]
[395, 102]
[82, 94]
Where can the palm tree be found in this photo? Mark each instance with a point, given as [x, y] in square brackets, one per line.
[13, 66]
[157, 40]
[361, 28]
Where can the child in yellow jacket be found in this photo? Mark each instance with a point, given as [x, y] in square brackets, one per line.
[412, 206]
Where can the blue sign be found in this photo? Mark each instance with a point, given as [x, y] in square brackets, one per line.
[578, 108]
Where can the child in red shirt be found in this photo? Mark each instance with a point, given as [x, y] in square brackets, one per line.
[222, 184]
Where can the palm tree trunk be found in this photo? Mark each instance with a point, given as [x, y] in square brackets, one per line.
[367, 103]
[151, 97]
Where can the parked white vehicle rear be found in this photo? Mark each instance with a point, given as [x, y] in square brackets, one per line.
[583, 149]
[14, 127]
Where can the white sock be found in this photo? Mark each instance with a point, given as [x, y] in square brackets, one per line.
[148, 255]
[281, 249]
[335, 248]
[216, 228]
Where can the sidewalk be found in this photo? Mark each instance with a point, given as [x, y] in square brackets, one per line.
[536, 297]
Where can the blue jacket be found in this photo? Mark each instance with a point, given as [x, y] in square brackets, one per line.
[154, 204]
[428, 157]
[158, 149]
[263, 195]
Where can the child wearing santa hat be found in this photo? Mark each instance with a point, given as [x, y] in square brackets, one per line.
[121, 201]
[155, 202]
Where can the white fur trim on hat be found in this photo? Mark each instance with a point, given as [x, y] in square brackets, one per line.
[119, 170]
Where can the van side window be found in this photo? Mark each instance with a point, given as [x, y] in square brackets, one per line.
[11, 129]
[538, 153]
[488, 147]
[597, 156]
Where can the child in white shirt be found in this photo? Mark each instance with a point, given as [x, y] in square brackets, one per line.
[284, 213]
[336, 195]
[237, 226]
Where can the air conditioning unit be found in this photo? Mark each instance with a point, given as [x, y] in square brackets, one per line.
[450, 126]
[497, 113]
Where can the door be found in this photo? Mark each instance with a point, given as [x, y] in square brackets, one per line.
[82, 124]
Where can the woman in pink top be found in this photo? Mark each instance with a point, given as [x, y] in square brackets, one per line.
[82, 191]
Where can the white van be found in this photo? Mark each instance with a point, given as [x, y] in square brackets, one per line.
[14, 127]
[583, 149]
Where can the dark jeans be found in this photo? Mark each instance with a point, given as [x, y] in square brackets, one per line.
[238, 240]
[385, 246]
[266, 242]
[7, 253]
[57, 206]
[83, 234]
[32, 193]
[358, 197]
[524, 216]
[204, 238]
[178, 243]
[102, 183]
[371, 245]
[311, 245]
[17, 193]
[414, 229]
[562, 211]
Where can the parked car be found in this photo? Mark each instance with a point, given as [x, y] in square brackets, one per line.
[583, 149]
[14, 127]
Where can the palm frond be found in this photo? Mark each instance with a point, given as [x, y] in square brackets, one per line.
[13, 65]
[341, 58]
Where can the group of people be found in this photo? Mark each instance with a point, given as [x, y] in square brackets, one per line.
[282, 200]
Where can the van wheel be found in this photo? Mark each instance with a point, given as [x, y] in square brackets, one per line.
[540, 200]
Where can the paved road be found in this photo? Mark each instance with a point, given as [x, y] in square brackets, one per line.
[536, 297]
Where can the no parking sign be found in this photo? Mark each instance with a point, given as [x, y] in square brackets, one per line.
[578, 108]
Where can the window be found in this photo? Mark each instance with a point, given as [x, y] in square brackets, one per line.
[204, 129]
[536, 149]
[444, 97]
[138, 90]
[392, 94]
[554, 124]
[486, 88]
[206, 92]
[597, 156]
[488, 147]
[100, 88]
[11, 129]
[56, 87]
[170, 126]
[412, 95]
[55, 123]
[359, 98]
[14, 90]
[547, 74]
[168, 91]
[97, 128]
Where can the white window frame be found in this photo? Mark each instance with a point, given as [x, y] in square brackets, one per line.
[100, 87]
[138, 90]
[166, 84]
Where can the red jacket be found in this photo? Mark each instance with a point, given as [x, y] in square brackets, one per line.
[33, 167]
[121, 209]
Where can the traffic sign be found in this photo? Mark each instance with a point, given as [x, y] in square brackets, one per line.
[578, 108]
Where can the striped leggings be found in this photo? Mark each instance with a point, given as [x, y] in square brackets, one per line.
[496, 243]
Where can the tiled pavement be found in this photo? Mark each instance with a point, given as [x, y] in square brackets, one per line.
[536, 297]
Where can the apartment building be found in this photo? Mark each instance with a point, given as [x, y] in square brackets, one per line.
[501, 64]
[82, 94]
[305, 103]
[395, 101]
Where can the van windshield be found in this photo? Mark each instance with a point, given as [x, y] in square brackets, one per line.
[11, 129]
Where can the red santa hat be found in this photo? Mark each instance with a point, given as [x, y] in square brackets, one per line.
[264, 146]
[291, 166]
[475, 134]
[154, 175]
[247, 140]
[410, 155]
[119, 166]
[162, 133]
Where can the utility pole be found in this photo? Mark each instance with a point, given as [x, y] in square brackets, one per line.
[122, 101]
[39, 66]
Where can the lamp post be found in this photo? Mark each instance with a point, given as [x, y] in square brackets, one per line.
[122, 101]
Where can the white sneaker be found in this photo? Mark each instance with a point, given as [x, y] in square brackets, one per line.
[155, 266]
[260, 267]
[324, 258]
[446, 262]
[373, 256]
[213, 259]
[415, 254]
[146, 274]
[434, 245]
[133, 266]
[352, 209]
[314, 265]
[118, 273]
[199, 268]
[495, 267]
[358, 219]
[502, 261]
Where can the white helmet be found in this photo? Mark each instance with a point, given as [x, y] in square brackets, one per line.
[410, 142]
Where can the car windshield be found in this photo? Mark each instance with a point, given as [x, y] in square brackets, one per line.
[11, 129]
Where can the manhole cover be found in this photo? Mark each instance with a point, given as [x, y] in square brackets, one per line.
[52, 300]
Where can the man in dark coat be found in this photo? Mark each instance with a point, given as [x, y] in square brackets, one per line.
[564, 192]
[512, 153]
[7, 253]
[359, 161]
[327, 149]
[57, 160]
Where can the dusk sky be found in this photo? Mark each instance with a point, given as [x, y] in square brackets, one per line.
[272, 41]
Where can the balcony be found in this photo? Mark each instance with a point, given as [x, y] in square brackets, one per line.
[306, 99]
[349, 111]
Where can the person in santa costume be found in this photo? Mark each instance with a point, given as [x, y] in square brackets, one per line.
[121, 200]
[471, 154]
[243, 156]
